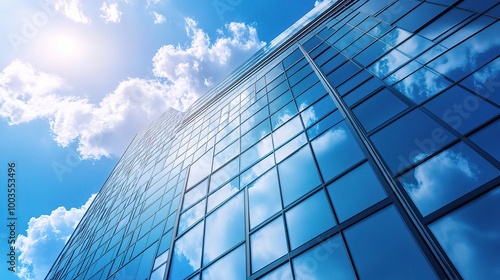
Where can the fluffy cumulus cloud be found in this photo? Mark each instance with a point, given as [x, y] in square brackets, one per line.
[72, 9]
[44, 239]
[110, 12]
[106, 128]
[159, 18]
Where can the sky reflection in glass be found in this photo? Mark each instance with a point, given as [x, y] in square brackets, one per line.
[231, 266]
[268, 244]
[187, 253]
[264, 198]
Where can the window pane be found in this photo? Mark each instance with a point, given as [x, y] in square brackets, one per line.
[308, 219]
[192, 215]
[283, 115]
[488, 139]
[421, 85]
[310, 96]
[378, 109]
[298, 175]
[223, 193]
[224, 174]
[355, 192]
[287, 131]
[290, 147]
[256, 170]
[280, 101]
[281, 273]
[471, 237]
[252, 137]
[262, 148]
[228, 153]
[187, 253]
[195, 194]
[388, 63]
[446, 177]
[231, 266]
[461, 110]
[336, 150]
[200, 169]
[410, 139]
[318, 111]
[320, 127]
[382, 248]
[224, 228]
[328, 260]
[264, 198]
[268, 244]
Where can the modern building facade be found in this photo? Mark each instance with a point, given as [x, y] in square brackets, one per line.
[361, 143]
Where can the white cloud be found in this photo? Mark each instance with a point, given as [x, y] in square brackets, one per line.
[110, 12]
[45, 238]
[106, 128]
[159, 18]
[72, 9]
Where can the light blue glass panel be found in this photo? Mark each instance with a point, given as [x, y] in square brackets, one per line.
[382, 248]
[471, 237]
[224, 174]
[268, 244]
[326, 261]
[283, 115]
[264, 198]
[223, 193]
[256, 170]
[421, 85]
[281, 273]
[461, 110]
[336, 150]
[298, 175]
[200, 169]
[310, 96]
[318, 110]
[446, 177]
[159, 273]
[320, 127]
[415, 45]
[290, 147]
[488, 139]
[280, 101]
[287, 131]
[254, 120]
[224, 228]
[187, 253]
[228, 153]
[195, 194]
[257, 133]
[192, 215]
[232, 266]
[355, 192]
[262, 148]
[308, 219]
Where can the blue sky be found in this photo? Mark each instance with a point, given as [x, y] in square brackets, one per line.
[79, 78]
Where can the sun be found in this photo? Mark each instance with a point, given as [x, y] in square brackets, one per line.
[67, 46]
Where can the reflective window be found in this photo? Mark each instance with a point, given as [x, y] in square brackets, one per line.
[443, 23]
[223, 193]
[353, 82]
[192, 215]
[224, 228]
[224, 156]
[318, 111]
[280, 101]
[328, 260]
[358, 45]
[388, 251]
[231, 266]
[342, 73]
[421, 85]
[487, 139]
[446, 177]
[395, 36]
[419, 16]
[306, 83]
[200, 169]
[415, 45]
[290, 147]
[262, 148]
[187, 253]
[299, 75]
[310, 96]
[368, 55]
[283, 115]
[333, 63]
[256, 170]
[410, 139]
[264, 198]
[355, 192]
[292, 58]
[287, 131]
[388, 63]
[159, 273]
[378, 109]
[281, 273]
[308, 219]
[298, 175]
[483, 80]
[461, 110]
[363, 90]
[254, 120]
[471, 237]
[224, 174]
[252, 137]
[277, 91]
[195, 194]
[336, 150]
[323, 125]
[268, 244]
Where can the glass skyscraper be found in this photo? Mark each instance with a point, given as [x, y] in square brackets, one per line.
[363, 142]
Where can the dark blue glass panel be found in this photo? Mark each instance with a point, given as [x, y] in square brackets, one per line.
[443, 23]
[311, 43]
[325, 56]
[484, 81]
[421, 85]
[446, 177]
[317, 111]
[318, 50]
[471, 237]
[378, 109]
[419, 16]
[231, 266]
[374, 6]
[326, 261]
[224, 228]
[298, 175]
[380, 29]
[299, 75]
[358, 45]
[350, 37]
[363, 90]
[355, 192]
[395, 36]
[320, 127]
[310, 96]
[388, 63]
[299, 65]
[264, 198]
[283, 115]
[342, 73]
[488, 139]
[402, 72]
[308, 219]
[187, 253]
[461, 110]
[415, 45]
[396, 11]
[367, 24]
[382, 248]
[353, 82]
[306, 83]
[333, 64]
[268, 244]
[292, 58]
[336, 150]
[410, 139]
